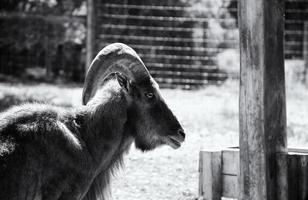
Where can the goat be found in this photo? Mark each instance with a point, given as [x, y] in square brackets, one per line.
[54, 153]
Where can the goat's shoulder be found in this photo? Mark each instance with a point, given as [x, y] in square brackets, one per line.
[30, 113]
[38, 122]
[31, 110]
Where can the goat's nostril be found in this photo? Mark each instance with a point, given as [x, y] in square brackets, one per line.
[181, 132]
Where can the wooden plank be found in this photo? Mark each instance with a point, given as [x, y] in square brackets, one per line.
[183, 66]
[180, 81]
[90, 40]
[230, 160]
[305, 53]
[203, 69]
[293, 150]
[47, 53]
[155, 7]
[262, 101]
[180, 61]
[281, 176]
[144, 38]
[163, 18]
[188, 75]
[229, 186]
[230, 172]
[210, 181]
[298, 177]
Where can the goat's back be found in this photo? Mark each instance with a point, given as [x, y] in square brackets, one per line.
[38, 148]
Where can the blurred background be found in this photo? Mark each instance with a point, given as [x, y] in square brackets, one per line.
[191, 48]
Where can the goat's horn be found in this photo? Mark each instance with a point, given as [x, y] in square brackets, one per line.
[116, 57]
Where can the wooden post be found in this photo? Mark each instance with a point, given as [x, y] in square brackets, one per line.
[305, 53]
[90, 42]
[298, 176]
[47, 51]
[263, 171]
[210, 181]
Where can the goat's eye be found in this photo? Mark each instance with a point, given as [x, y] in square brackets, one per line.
[149, 95]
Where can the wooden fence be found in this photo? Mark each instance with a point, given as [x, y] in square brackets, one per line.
[176, 39]
[178, 47]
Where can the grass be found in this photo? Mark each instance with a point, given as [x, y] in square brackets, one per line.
[210, 119]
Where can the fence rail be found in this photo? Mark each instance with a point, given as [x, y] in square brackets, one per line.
[150, 7]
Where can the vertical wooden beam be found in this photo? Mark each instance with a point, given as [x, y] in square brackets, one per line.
[47, 51]
[263, 173]
[210, 181]
[305, 53]
[90, 42]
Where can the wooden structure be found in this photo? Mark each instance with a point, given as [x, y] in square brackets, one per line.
[163, 35]
[263, 168]
[262, 100]
[175, 41]
[219, 174]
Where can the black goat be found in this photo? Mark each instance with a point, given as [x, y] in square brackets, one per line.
[48, 152]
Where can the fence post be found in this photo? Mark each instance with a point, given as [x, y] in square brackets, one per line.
[210, 180]
[305, 53]
[48, 64]
[263, 141]
[90, 40]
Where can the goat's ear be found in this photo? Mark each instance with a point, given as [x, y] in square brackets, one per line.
[123, 81]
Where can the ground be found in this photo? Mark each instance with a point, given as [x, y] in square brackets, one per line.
[210, 119]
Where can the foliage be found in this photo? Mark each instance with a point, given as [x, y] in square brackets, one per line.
[56, 7]
[41, 33]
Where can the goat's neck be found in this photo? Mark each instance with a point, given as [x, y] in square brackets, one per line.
[105, 135]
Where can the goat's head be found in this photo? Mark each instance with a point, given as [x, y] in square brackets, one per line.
[149, 117]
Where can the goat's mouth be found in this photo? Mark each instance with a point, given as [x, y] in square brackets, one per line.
[175, 140]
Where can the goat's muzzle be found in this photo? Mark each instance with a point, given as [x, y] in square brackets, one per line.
[175, 140]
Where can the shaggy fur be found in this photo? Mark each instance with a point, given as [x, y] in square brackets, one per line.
[48, 152]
